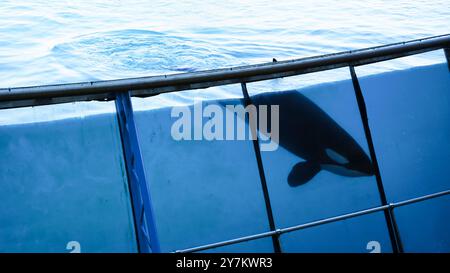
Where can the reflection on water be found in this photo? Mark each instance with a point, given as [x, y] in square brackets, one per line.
[43, 42]
[129, 51]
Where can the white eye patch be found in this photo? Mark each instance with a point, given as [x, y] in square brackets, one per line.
[336, 156]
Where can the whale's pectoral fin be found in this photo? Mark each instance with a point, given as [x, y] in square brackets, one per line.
[302, 172]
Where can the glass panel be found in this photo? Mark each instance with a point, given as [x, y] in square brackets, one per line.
[409, 116]
[362, 234]
[64, 184]
[321, 167]
[204, 191]
[424, 226]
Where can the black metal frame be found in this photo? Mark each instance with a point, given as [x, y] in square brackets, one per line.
[122, 90]
[262, 176]
[390, 220]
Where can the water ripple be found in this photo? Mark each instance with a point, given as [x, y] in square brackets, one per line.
[139, 52]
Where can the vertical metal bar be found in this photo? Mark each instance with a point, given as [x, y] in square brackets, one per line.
[390, 210]
[447, 56]
[275, 238]
[392, 227]
[141, 200]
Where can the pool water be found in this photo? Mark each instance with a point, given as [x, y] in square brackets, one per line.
[45, 42]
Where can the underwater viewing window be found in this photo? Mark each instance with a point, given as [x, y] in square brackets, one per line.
[64, 185]
[409, 117]
[424, 225]
[203, 191]
[322, 167]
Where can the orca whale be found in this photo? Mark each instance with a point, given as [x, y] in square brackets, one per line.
[310, 133]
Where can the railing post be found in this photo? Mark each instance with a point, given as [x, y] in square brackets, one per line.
[447, 56]
[140, 196]
[393, 222]
[390, 220]
[275, 238]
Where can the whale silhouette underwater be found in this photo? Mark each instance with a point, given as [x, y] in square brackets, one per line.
[311, 134]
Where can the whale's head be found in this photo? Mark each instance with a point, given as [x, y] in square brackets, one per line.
[351, 162]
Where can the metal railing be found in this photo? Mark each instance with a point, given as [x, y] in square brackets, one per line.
[148, 86]
[121, 91]
[329, 220]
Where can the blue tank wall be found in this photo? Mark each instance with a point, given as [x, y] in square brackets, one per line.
[65, 180]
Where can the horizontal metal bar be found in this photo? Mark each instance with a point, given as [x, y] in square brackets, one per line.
[421, 198]
[314, 223]
[149, 86]
[229, 242]
[283, 230]
[55, 100]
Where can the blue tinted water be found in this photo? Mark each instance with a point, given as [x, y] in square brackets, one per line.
[52, 41]
[43, 42]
